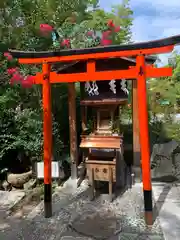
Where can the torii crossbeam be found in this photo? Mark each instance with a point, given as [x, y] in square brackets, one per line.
[140, 72]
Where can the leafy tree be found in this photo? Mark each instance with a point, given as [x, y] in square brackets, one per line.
[21, 121]
[164, 95]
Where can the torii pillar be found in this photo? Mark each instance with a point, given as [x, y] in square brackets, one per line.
[73, 130]
[135, 122]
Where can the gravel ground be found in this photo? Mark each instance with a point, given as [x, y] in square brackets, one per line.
[76, 217]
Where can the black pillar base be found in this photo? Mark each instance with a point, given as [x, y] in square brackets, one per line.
[148, 207]
[47, 200]
[148, 200]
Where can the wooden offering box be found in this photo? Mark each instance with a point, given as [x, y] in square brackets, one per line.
[103, 170]
[99, 170]
[103, 158]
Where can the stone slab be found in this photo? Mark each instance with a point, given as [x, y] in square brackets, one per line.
[74, 238]
[133, 236]
[166, 192]
[126, 213]
[150, 237]
[125, 236]
[167, 198]
[169, 215]
[8, 200]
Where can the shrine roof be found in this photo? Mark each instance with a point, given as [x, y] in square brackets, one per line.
[102, 49]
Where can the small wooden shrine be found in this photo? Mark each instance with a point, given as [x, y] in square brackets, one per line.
[102, 139]
[104, 158]
[104, 142]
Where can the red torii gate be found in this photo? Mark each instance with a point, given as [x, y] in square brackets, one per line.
[140, 72]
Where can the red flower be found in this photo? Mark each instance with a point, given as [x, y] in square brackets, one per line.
[27, 82]
[11, 71]
[106, 38]
[8, 56]
[16, 78]
[106, 42]
[89, 33]
[117, 29]
[110, 24]
[65, 43]
[106, 34]
[46, 28]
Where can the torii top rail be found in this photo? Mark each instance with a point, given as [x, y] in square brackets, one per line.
[140, 72]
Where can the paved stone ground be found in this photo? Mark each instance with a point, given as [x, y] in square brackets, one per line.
[167, 197]
[76, 217]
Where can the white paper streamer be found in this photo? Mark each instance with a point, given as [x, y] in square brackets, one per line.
[123, 86]
[112, 84]
[91, 90]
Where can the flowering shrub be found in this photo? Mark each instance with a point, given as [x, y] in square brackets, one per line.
[79, 36]
[8, 56]
[60, 39]
[16, 77]
[21, 115]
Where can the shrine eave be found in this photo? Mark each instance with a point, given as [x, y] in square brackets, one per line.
[108, 101]
[171, 41]
[75, 65]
